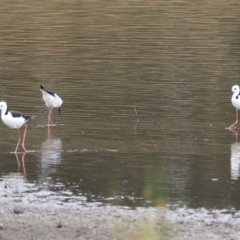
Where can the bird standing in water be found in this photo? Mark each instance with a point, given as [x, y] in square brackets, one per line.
[235, 102]
[52, 100]
[14, 120]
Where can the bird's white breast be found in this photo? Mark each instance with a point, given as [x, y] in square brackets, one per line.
[12, 122]
[236, 101]
[52, 101]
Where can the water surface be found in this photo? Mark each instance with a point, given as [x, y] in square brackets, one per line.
[145, 107]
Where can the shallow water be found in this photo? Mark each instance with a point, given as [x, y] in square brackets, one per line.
[145, 108]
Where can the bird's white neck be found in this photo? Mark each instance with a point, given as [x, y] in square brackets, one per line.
[235, 94]
[3, 111]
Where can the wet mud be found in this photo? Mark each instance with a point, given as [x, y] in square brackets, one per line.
[50, 221]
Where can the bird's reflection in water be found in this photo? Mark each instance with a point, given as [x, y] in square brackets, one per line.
[235, 158]
[22, 162]
[49, 131]
[51, 155]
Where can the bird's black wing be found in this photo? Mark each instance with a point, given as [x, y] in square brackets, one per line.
[51, 92]
[48, 91]
[18, 114]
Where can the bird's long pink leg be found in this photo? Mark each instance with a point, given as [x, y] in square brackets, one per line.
[49, 116]
[236, 119]
[19, 140]
[24, 136]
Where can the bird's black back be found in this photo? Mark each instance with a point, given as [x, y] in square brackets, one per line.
[18, 114]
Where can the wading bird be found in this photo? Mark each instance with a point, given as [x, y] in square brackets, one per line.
[52, 100]
[14, 120]
[235, 102]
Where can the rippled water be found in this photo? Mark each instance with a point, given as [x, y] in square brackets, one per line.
[145, 108]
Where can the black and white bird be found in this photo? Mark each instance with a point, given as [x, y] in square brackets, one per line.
[14, 120]
[235, 102]
[52, 100]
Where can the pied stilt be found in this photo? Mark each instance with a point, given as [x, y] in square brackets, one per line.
[52, 100]
[235, 102]
[14, 120]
